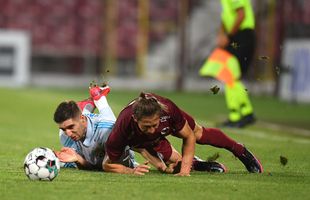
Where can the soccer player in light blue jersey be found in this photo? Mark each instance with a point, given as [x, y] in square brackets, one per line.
[84, 133]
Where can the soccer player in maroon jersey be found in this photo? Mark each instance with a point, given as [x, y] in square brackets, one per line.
[145, 123]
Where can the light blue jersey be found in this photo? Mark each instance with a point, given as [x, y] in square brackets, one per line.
[92, 149]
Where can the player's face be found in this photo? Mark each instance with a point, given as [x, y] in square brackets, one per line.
[75, 128]
[149, 124]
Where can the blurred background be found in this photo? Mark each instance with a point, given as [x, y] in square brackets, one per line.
[147, 44]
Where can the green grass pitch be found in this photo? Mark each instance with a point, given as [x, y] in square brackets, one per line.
[26, 121]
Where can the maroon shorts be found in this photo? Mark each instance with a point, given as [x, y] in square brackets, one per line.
[162, 149]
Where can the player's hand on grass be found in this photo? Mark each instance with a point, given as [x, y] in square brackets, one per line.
[182, 174]
[170, 168]
[177, 169]
[141, 169]
[67, 154]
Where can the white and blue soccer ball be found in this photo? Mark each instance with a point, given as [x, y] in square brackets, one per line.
[41, 164]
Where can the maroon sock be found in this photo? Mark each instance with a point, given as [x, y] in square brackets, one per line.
[215, 137]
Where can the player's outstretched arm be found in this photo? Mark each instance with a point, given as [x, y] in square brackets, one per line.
[108, 166]
[188, 149]
[67, 154]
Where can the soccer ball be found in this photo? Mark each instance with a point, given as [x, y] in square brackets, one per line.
[41, 164]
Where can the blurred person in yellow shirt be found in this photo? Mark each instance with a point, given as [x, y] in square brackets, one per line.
[231, 59]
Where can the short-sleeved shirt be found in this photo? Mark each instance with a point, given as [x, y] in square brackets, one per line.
[92, 149]
[229, 14]
[126, 130]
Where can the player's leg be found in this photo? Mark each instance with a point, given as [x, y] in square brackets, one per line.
[232, 92]
[198, 165]
[239, 105]
[215, 137]
[209, 166]
[99, 94]
[168, 160]
[128, 158]
[232, 102]
[246, 108]
[86, 105]
[246, 41]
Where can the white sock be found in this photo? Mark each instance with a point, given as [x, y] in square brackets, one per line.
[104, 108]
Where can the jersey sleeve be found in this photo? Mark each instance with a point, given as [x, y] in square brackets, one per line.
[176, 114]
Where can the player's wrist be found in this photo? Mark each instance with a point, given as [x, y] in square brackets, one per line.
[131, 171]
[80, 159]
[186, 167]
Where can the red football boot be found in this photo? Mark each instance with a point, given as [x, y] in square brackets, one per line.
[87, 103]
[97, 92]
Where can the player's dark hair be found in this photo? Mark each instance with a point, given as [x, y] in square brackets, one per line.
[66, 110]
[147, 105]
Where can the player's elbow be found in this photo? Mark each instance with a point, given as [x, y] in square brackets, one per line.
[106, 164]
[105, 167]
[190, 139]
